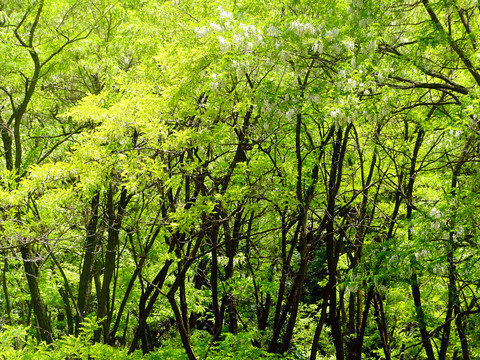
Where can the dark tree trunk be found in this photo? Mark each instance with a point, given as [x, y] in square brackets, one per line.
[382, 325]
[8, 310]
[87, 273]
[39, 309]
[114, 226]
[421, 315]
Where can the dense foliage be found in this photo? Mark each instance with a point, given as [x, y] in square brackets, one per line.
[239, 179]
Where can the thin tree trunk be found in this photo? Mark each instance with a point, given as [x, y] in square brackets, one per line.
[8, 310]
[382, 325]
[319, 327]
[40, 310]
[114, 224]
[184, 335]
[420, 314]
[218, 318]
[86, 275]
[363, 323]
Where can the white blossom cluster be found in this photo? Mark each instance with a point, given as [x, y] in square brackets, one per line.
[248, 39]
[314, 98]
[336, 49]
[437, 217]
[370, 48]
[349, 45]
[201, 32]
[439, 269]
[225, 45]
[214, 26]
[346, 83]
[350, 85]
[241, 68]
[435, 213]
[225, 14]
[422, 254]
[339, 118]
[289, 114]
[225, 24]
[249, 29]
[355, 9]
[330, 34]
[354, 281]
[273, 31]
[217, 83]
[346, 112]
[267, 107]
[317, 47]
[302, 29]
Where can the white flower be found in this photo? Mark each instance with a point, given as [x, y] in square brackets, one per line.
[317, 48]
[297, 28]
[215, 27]
[349, 45]
[217, 83]
[238, 40]
[267, 107]
[315, 98]
[201, 32]
[310, 29]
[336, 49]
[421, 255]
[224, 44]
[225, 14]
[289, 114]
[240, 69]
[438, 269]
[372, 45]
[380, 78]
[284, 56]
[273, 31]
[300, 29]
[351, 85]
[359, 4]
[248, 47]
[214, 85]
[334, 113]
[247, 28]
[435, 213]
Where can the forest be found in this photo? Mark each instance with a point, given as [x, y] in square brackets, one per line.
[240, 179]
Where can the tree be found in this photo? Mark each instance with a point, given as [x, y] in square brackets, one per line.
[245, 177]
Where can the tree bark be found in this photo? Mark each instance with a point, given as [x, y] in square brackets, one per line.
[40, 310]
[114, 226]
[86, 275]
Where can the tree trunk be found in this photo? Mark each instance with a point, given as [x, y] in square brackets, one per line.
[114, 225]
[40, 310]
[86, 275]
[420, 314]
